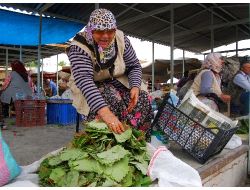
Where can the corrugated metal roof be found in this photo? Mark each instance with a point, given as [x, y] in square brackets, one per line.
[151, 21]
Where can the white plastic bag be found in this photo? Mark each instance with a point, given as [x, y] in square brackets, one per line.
[234, 142]
[28, 176]
[171, 171]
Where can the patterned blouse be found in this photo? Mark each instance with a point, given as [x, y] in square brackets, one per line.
[82, 70]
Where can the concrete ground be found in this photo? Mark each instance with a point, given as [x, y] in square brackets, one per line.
[28, 144]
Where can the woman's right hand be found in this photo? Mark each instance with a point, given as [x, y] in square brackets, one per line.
[225, 98]
[111, 120]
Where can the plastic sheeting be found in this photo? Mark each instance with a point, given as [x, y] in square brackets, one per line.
[22, 29]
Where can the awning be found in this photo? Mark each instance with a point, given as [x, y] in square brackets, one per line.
[23, 29]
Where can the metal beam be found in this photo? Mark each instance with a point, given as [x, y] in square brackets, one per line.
[232, 50]
[212, 32]
[221, 17]
[172, 46]
[234, 5]
[151, 13]
[45, 50]
[218, 43]
[242, 21]
[168, 22]
[45, 7]
[126, 10]
[180, 21]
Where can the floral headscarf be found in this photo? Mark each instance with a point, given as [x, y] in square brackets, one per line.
[212, 61]
[101, 19]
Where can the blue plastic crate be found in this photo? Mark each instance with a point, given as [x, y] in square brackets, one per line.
[61, 113]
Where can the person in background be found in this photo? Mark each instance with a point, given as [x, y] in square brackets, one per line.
[108, 75]
[52, 86]
[207, 83]
[31, 83]
[63, 87]
[149, 81]
[181, 92]
[242, 82]
[157, 85]
[182, 81]
[16, 84]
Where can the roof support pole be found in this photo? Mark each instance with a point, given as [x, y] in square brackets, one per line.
[97, 6]
[183, 63]
[7, 62]
[57, 90]
[236, 36]
[153, 66]
[21, 54]
[212, 31]
[172, 45]
[39, 56]
[42, 74]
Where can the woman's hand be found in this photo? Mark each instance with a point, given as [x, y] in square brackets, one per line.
[134, 95]
[225, 98]
[111, 120]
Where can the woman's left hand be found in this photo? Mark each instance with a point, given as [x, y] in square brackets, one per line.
[134, 95]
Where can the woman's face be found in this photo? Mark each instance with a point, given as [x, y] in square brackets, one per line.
[103, 37]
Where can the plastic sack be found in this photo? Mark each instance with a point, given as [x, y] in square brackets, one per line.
[173, 99]
[171, 171]
[9, 169]
[29, 176]
[234, 142]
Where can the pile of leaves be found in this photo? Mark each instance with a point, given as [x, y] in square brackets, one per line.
[99, 157]
[244, 127]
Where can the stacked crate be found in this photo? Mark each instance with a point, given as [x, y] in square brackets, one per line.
[30, 113]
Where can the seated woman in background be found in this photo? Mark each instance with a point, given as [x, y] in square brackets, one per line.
[16, 83]
[63, 87]
[207, 84]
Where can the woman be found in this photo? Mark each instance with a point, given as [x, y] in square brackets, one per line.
[16, 84]
[207, 84]
[107, 75]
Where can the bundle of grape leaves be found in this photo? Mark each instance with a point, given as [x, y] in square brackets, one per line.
[99, 157]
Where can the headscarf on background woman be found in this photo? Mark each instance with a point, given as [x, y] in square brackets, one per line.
[213, 62]
[101, 19]
[18, 66]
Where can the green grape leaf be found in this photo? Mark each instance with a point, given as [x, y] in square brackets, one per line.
[57, 174]
[118, 171]
[143, 167]
[127, 180]
[54, 161]
[112, 155]
[120, 138]
[71, 179]
[73, 154]
[87, 165]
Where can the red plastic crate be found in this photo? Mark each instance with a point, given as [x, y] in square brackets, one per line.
[30, 113]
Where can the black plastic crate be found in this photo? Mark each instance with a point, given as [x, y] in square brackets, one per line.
[199, 141]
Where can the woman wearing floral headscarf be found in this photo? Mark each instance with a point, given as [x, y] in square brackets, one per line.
[207, 84]
[106, 75]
